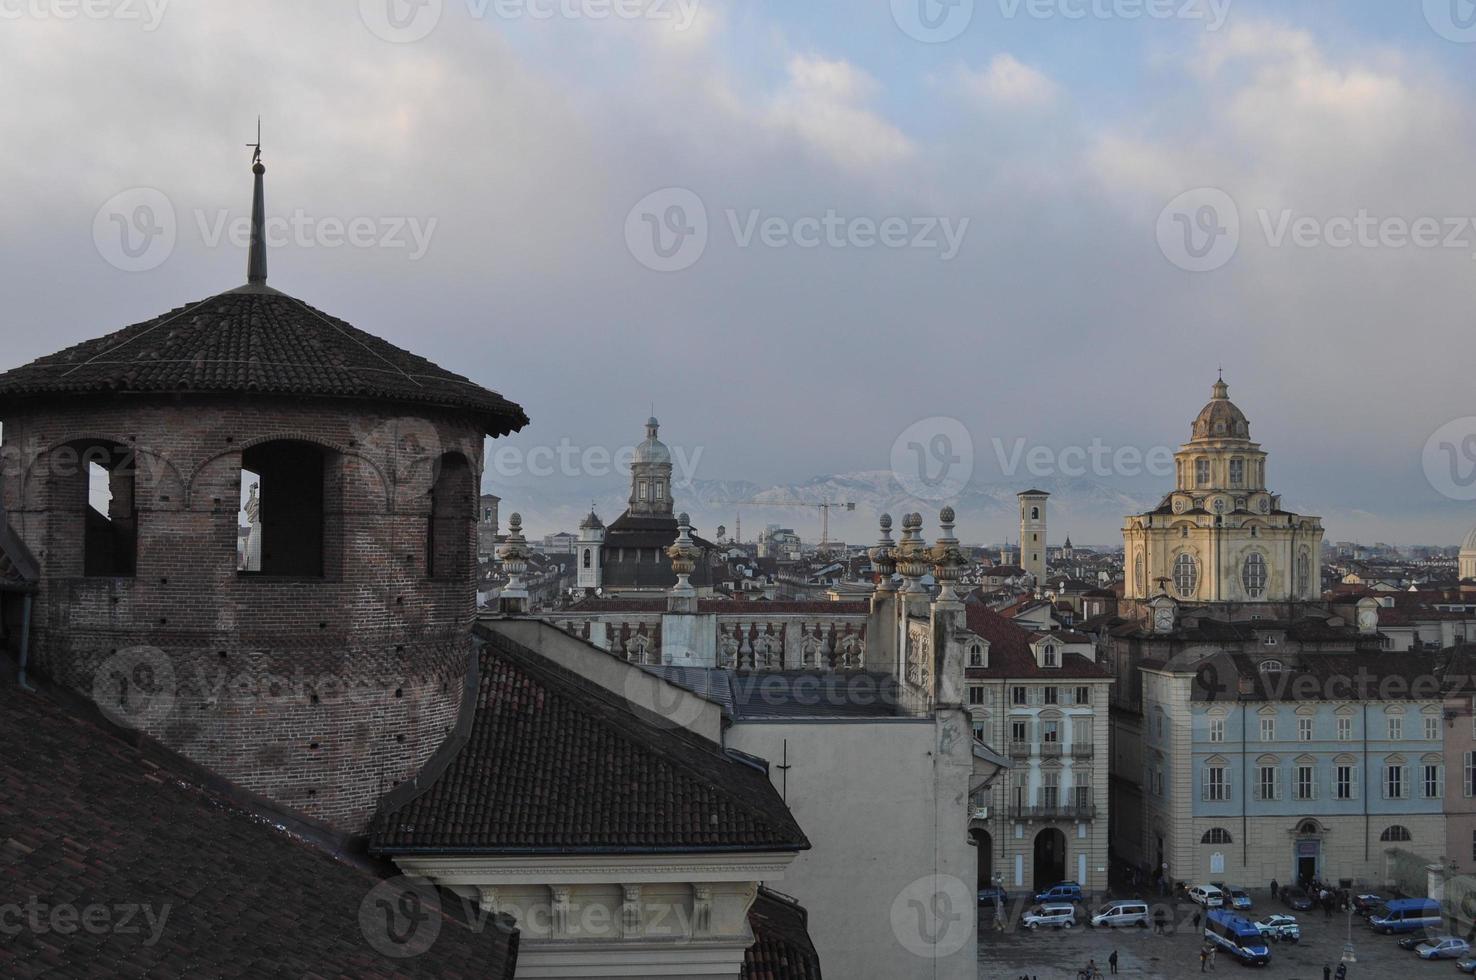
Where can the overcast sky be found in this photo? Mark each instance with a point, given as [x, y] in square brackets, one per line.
[500, 170]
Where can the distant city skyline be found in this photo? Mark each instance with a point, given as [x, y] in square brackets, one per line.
[871, 228]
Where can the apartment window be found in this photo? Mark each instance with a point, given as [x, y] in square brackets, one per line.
[1083, 695]
[1268, 729]
[1217, 729]
[1434, 780]
[1345, 729]
[1019, 730]
[1266, 783]
[1158, 782]
[1052, 658]
[1306, 782]
[1347, 782]
[1470, 768]
[1049, 694]
[1395, 834]
[1394, 781]
[1396, 728]
[1018, 696]
[1432, 728]
[1216, 835]
[978, 731]
[1081, 731]
[1216, 786]
[1304, 729]
[976, 694]
[1050, 789]
[976, 655]
[1050, 731]
[1081, 787]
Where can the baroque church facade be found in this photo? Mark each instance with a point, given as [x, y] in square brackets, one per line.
[1221, 535]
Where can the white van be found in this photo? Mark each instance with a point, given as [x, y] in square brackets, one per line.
[1057, 916]
[1125, 913]
[1207, 895]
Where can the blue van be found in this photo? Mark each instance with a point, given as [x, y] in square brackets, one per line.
[1237, 936]
[1406, 915]
[1062, 891]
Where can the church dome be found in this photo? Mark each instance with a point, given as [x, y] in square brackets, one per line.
[1468, 548]
[653, 450]
[1221, 418]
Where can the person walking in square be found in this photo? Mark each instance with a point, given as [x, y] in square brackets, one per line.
[1112, 963]
[1274, 888]
[1203, 958]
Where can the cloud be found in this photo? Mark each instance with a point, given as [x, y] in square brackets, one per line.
[1006, 82]
[825, 103]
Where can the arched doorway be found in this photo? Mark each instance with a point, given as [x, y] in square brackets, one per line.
[1050, 857]
[984, 844]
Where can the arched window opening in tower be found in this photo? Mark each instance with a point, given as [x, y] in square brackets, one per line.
[104, 487]
[449, 527]
[291, 510]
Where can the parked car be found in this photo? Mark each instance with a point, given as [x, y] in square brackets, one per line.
[1279, 926]
[1466, 966]
[1207, 895]
[1368, 903]
[992, 896]
[1061, 891]
[1128, 912]
[1412, 943]
[1237, 898]
[1296, 899]
[1056, 915]
[1443, 948]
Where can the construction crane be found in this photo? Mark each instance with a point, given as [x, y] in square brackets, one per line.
[824, 507]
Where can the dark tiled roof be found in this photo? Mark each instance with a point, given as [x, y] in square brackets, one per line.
[89, 821]
[1010, 654]
[756, 608]
[781, 948]
[555, 763]
[254, 341]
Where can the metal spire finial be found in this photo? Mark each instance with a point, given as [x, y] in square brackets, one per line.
[256, 259]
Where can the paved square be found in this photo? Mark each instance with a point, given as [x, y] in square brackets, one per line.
[1057, 954]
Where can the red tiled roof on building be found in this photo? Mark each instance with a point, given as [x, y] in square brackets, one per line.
[1010, 654]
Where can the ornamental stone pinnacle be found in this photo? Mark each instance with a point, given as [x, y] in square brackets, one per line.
[514, 554]
[883, 556]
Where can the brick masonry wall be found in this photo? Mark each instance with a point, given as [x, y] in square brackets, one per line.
[318, 693]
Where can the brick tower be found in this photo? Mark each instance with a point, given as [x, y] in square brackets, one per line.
[313, 651]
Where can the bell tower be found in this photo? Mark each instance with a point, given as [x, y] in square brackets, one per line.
[589, 550]
[1033, 533]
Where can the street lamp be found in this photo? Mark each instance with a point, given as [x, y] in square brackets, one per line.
[1348, 956]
